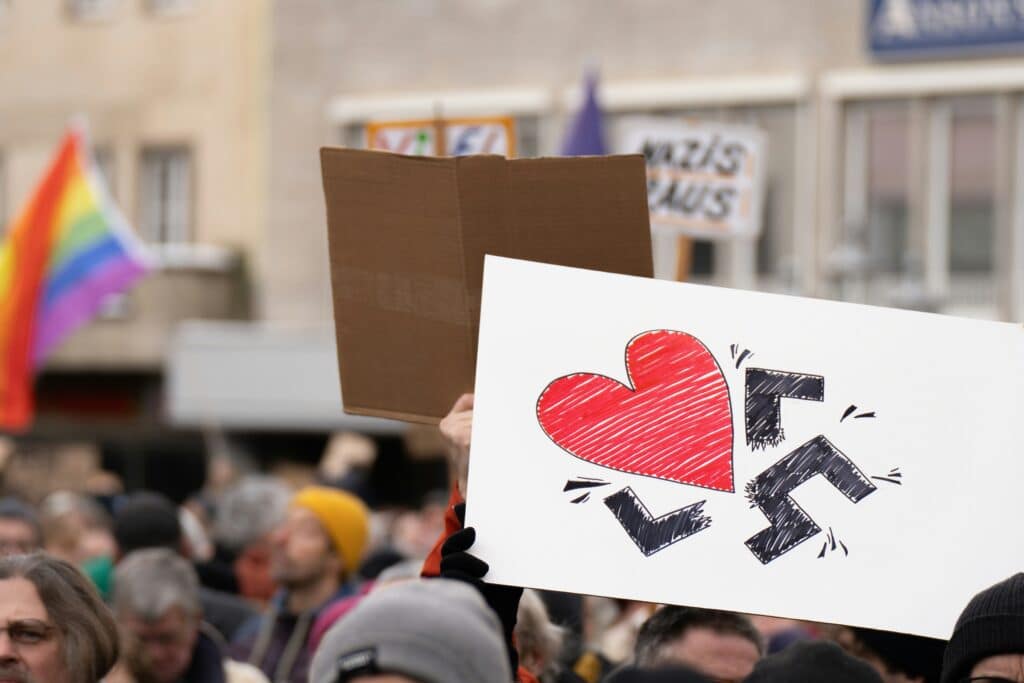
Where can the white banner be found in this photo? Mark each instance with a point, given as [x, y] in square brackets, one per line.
[704, 180]
[776, 455]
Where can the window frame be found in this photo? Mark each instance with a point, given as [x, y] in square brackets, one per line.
[167, 150]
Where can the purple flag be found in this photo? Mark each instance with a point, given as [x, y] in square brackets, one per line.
[586, 132]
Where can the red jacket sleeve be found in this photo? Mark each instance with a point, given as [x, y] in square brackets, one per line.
[432, 565]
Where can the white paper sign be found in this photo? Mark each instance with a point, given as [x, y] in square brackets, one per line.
[705, 180]
[776, 455]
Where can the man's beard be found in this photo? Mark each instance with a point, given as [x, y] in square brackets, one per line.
[293, 578]
[16, 674]
[138, 664]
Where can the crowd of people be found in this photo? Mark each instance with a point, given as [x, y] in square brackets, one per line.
[269, 584]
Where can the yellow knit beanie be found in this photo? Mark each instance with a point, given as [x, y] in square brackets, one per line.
[344, 518]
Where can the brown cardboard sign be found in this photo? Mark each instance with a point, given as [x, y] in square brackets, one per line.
[407, 238]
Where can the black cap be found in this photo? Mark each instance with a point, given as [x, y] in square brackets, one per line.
[817, 661]
[991, 624]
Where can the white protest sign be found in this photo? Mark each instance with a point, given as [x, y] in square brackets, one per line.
[759, 453]
[704, 180]
[461, 136]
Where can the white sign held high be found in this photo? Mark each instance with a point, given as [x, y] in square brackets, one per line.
[693, 445]
[704, 180]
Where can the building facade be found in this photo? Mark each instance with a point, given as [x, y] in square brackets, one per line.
[893, 182]
[173, 93]
[894, 177]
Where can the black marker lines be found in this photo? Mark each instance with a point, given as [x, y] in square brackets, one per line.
[769, 491]
[765, 390]
[574, 484]
[649, 533]
[747, 353]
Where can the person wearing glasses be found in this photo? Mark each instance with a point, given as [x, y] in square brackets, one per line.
[157, 603]
[987, 645]
[53, 626]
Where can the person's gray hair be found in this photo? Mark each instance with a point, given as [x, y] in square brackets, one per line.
[89, 641]
[401, 571]
[149, 582]
[536, 635]
[249, 510]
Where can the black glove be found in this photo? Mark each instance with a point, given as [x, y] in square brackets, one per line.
[458, 564]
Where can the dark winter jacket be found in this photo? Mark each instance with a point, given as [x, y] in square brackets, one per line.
[276, 642]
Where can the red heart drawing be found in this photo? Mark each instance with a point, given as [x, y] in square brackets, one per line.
[674, 422]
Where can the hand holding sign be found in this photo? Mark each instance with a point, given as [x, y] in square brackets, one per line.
[457, 430]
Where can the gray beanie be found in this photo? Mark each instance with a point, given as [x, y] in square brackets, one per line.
[432, 630]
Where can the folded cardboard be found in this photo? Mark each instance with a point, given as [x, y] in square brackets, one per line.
[407, 238]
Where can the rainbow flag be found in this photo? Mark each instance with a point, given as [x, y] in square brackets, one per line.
[65, 252]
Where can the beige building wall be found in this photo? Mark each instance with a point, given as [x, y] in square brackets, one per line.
[325, 49]
[196, 77]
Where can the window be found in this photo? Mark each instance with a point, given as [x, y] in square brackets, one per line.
[972, 202]
[165, 194]
[106, 164]
[91, 10]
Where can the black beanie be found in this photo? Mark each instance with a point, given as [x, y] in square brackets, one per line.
[912, 656]
[147, 520]
[817, 661]
[991, 624]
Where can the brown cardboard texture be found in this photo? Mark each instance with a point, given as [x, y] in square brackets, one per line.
[407, 239]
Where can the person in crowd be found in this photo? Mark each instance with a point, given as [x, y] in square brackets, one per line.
[149, 520]
[808, 661]
[720, 645]
[156, 601]
[314, 555]
[988, 639]
[20, 532]
[608, 635]
[450, 557]
[670, 674]
[397, 573]
[244, 518]
[540, 642]
[75, 528]
[897, 657]
[421, 631]
[53, 626]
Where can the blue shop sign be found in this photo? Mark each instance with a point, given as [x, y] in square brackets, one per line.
[906, 28]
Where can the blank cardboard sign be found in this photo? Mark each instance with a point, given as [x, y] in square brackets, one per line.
[407, 238]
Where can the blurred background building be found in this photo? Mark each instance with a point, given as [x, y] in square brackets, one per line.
[895, 153]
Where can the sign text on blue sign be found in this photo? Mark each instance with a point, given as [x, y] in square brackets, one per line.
[909, 27]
